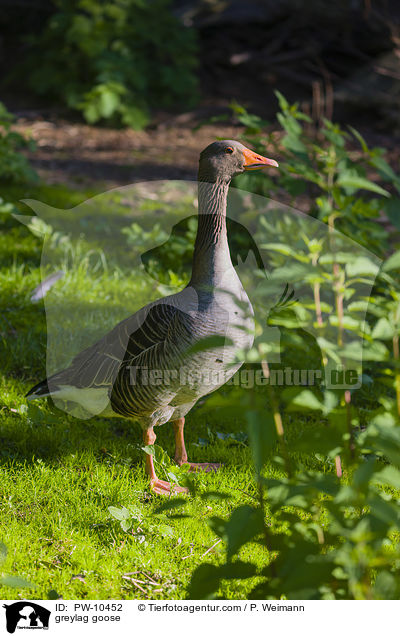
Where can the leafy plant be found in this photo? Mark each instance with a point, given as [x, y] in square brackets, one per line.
[14, 167]
[322, 537]
[124, 57]
[326, 514]
[140, 526]
[169, 471]
[324, 164]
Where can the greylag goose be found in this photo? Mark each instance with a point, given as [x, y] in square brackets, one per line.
[153, 366]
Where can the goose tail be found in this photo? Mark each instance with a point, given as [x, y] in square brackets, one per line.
[39, 390]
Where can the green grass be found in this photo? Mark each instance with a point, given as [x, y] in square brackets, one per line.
[59, 474]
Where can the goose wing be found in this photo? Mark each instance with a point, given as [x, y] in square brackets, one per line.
[98, 366]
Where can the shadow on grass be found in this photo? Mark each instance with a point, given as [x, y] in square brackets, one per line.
[41, 432]
[33, 432]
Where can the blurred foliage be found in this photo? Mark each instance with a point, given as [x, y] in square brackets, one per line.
[14, 167]
[323, 537]
[327, 513]
[115, 60]
[323, 163]
[322, 534]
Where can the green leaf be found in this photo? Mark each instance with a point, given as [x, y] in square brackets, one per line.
[323, 439]
[172, 477]
[385, 587]
[348, 322]
[385, 170]
[385, 511]
[149, 450]
[330, 401]
[292, 272]
[363, 474]
[362, 266]
[383, 436]
[126, 525]
[205, 582]
[165, 530]
[108, 102]
[282, 493]
[360, 138]
[392, 210]
[263, 436]
[383, 330]
[282, 248]
[283, 103]
[305, 400]
[358, 351]
[53, 595]
[292, 141]
[119, 513]
[91, 113]
[291, 126]
[244, 524]
[393, 262]
[346, 496]
[133, 116]
[353, 181]
[389, 476]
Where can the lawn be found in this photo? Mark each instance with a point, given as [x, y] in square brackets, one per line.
[59, 475]
[306, 504]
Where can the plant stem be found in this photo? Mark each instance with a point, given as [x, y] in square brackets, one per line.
[338, 464]
[318, 312]
[337, 276]
[339, 302]
[337, 284]
[396, 355]
[317, 295]
[266, 534]
[317, 301]
[277, 417]
[347, 399]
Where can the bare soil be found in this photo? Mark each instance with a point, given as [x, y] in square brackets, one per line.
[81, 156]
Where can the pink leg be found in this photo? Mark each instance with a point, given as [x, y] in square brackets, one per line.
[180, 450]
[158, 486]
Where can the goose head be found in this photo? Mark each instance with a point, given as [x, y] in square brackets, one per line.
[222, 160]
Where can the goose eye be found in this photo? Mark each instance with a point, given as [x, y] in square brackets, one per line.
[229, 150]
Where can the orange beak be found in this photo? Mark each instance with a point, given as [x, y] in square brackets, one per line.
[253, 161]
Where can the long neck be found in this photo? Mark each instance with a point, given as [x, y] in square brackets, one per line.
[211, 259]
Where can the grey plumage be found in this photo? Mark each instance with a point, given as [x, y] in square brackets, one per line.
[152, 366]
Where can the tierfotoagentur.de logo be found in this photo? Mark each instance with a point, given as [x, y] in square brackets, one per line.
[26, 615]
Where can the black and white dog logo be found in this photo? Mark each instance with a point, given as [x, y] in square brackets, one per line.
[26, 615]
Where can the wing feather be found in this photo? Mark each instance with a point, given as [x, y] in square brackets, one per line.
[98, 365]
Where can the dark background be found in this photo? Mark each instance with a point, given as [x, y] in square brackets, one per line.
[337, 59]
[247, 49]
